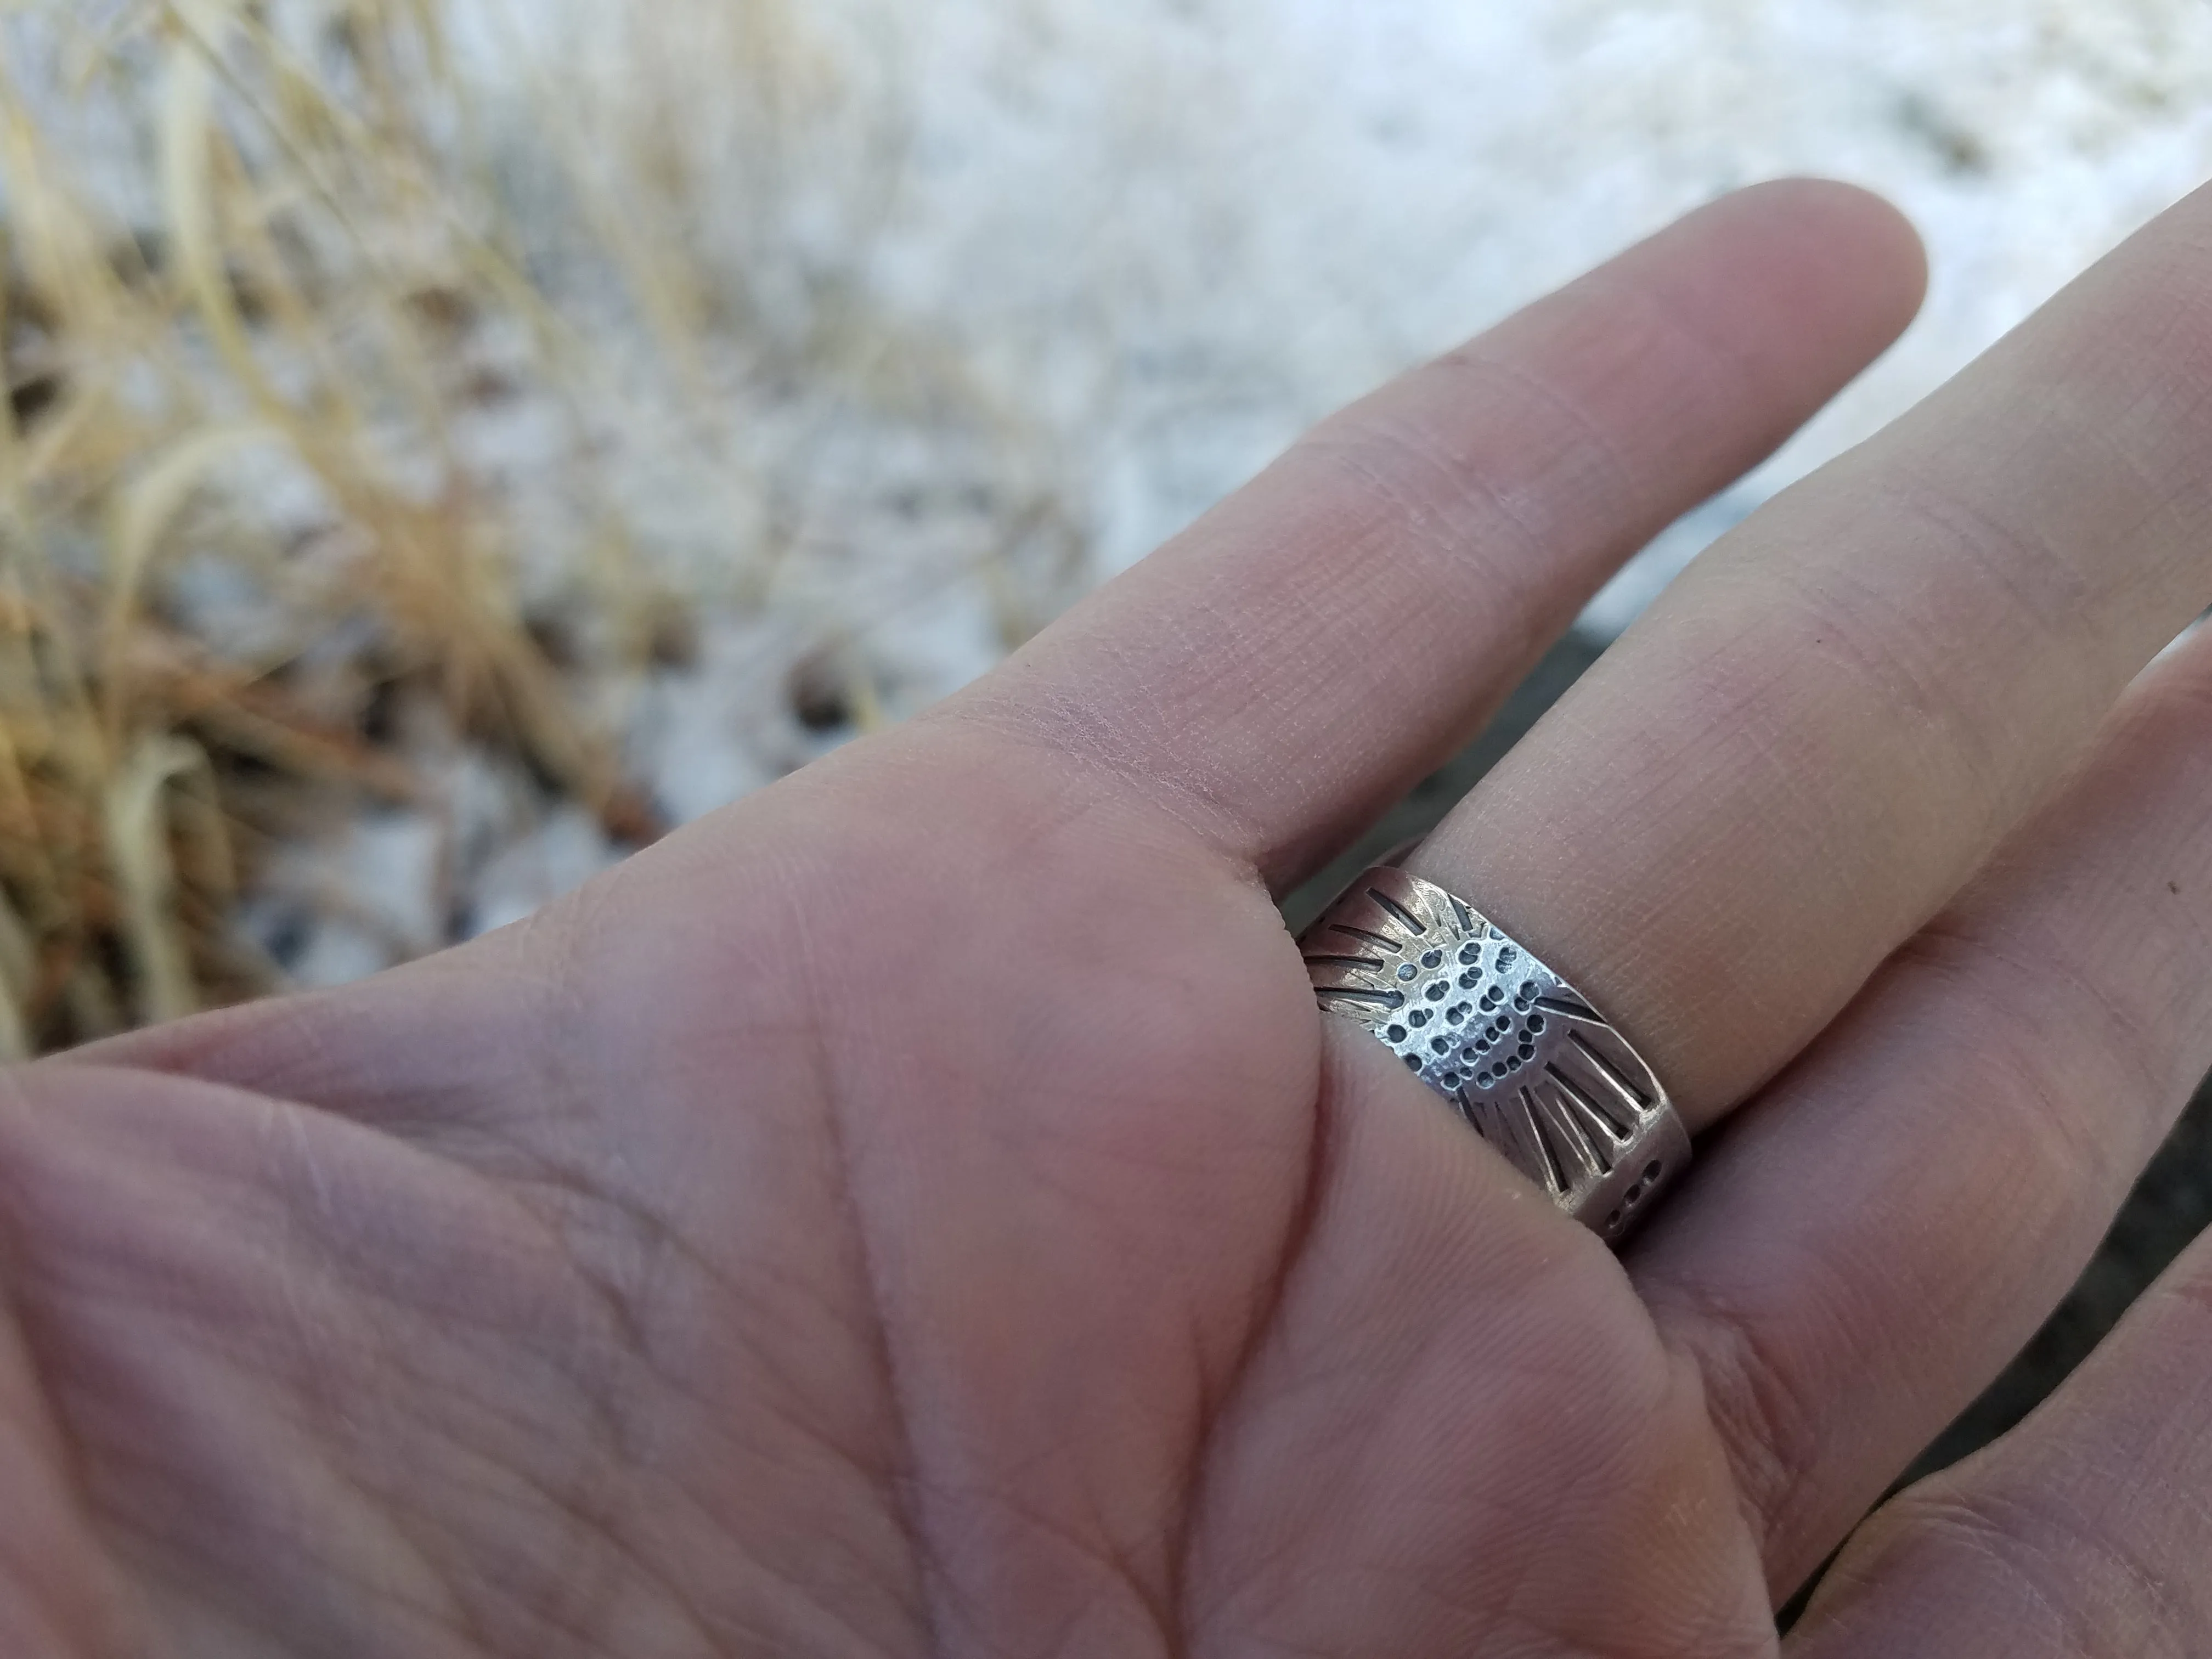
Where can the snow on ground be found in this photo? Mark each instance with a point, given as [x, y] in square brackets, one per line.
[1216, 222]
[1163, 235]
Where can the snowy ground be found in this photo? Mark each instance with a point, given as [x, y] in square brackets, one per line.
[1162, 235]
[1229, 218]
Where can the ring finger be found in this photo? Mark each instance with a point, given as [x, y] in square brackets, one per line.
[1829, 722]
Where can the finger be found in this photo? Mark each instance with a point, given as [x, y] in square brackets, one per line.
[2084, 1531]
[58, 1594]
[1887, 1225]
[1821, 731]
[1283, 671]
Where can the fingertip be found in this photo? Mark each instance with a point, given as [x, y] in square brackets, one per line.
[1839, 246]
[1802, 282]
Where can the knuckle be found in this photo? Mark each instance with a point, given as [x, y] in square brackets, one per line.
[2021, 1558]
[2069, 1074]
[1763, 1411]
[1459, 517]
[1991, 553]
[1861, 645]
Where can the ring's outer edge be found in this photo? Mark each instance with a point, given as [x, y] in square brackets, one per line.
[1521, 1054]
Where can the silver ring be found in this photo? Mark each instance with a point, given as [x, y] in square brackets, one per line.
[1541, 1074]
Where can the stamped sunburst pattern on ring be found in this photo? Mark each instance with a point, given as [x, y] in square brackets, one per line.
[1526, 1060]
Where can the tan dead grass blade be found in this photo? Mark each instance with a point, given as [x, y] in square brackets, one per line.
[137, 830]
[266, 265]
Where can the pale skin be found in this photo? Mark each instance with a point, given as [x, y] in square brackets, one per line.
[920, 1211]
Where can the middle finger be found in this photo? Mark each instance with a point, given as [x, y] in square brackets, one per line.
[1826, 725]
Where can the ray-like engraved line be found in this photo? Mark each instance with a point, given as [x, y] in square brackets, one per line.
[1629, 1092]
[1465, 915]
[1376, 999]
[1602, 1152]
[1365, 964]
[1593, 1135]
[1566, 1123]
[1623, 1133]
[1396, 909]
[1568, 1009]
[1514, 1135]
[1543, 1141]
[1500, 1133]
[1394, 946]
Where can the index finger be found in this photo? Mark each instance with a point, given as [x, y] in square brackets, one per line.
[1291, 664]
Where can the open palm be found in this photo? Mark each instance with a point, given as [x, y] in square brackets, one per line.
[920, 1211]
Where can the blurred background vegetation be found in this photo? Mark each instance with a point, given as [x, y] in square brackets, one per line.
[386, 404]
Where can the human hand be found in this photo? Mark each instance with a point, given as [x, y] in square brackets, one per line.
[920, 1211]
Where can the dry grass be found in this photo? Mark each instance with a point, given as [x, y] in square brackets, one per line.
[279, 276]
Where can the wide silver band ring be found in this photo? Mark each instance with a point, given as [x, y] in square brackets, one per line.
[1523, 1056]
